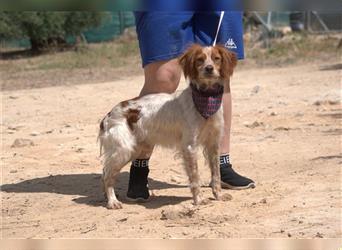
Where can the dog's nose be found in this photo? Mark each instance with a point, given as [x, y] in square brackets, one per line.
[209, 69]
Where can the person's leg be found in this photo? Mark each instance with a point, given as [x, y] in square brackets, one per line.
[229, 178]
[160, 77]
[162, 37]
[227, 116]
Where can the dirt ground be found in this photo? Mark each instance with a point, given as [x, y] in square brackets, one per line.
[286, 135]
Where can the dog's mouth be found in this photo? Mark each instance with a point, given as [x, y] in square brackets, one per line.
[216, 87]
[210, 75]
[208, 90]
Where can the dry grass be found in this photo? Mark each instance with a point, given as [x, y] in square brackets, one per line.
[87, 63]
[110, 54]
[294, 48]
[112, 60]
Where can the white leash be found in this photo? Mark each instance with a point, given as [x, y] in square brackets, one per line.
[218, 27]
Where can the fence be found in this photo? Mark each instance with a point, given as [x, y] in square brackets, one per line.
[311, 21]
[111, 28]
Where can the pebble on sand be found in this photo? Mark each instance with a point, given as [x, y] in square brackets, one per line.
[174, 213]
[34, 133]
[255, 89]
[253, 125]
[20, 142]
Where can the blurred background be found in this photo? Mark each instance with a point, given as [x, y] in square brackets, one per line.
[83, 47]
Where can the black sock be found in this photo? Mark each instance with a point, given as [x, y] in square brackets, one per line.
[224, 160]
[140, 163]
[138, 180]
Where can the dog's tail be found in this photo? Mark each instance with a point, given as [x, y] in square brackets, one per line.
[100, 134]
[114, 137]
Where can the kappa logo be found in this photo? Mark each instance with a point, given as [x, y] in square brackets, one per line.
[230, 44]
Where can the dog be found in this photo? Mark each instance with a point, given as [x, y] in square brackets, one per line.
[185, 121]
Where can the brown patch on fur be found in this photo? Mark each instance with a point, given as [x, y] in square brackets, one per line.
[101, 125]
[132, 116]
[228, 61]
[124, 104]
[188, 60]
[102, 121]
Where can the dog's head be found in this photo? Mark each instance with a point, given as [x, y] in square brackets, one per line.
[206, 66]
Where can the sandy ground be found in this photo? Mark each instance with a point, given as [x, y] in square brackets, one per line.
[286, 135]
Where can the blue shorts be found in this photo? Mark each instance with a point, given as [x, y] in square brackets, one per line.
[165, 35]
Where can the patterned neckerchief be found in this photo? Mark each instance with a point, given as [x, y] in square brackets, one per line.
[207, 102]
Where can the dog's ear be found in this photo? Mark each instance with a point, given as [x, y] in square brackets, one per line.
[229, 61]
[188, 59]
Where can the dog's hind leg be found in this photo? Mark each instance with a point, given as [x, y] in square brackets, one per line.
[112, 167]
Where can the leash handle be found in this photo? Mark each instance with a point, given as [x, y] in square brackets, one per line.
[218, 27]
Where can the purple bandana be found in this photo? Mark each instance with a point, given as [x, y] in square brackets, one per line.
[207, 102]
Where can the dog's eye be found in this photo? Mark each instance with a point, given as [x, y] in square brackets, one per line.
[200, 60]
[217, 58]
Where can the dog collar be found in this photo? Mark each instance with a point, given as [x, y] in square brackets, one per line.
[207, 102]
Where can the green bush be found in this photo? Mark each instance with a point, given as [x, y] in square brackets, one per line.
[46, 29]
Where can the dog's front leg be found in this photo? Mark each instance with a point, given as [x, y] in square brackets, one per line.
[191, 167]
[212, 153]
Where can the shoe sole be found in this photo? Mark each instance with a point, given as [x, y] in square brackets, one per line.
[227, 186]
[138, 200]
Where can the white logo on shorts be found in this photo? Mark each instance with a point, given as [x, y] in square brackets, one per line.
[230, 44]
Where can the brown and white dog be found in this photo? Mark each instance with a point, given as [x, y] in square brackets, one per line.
[183, 120]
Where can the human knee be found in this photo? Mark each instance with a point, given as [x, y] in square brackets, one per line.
[162, 77]
[167, 80]
[167, 86]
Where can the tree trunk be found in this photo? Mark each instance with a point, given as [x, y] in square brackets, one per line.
[36, 45]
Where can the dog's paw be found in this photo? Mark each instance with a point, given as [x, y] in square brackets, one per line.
[223, 197]
[205, 201]
[114, 205]
[200, 201]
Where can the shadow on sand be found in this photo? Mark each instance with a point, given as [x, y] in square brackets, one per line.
[88, 187]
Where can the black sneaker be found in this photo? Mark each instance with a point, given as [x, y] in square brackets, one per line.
[138, 184]
[232, 180]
